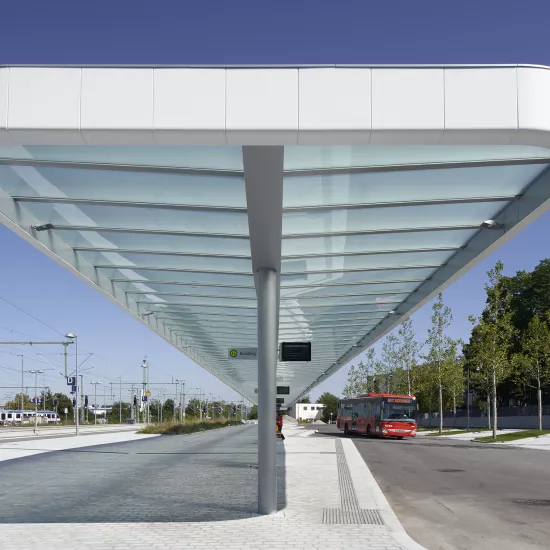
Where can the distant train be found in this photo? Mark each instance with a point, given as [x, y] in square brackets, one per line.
[14, 417]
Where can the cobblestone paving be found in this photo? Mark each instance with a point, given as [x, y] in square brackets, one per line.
[203, 477]
[177, 492]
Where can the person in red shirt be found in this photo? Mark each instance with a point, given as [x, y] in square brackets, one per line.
[280, 424]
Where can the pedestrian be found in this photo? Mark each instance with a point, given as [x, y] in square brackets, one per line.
[280, 424]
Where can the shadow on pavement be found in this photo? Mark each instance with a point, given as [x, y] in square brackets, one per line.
[210, 476]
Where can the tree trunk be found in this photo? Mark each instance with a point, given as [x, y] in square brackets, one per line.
[454, 410]
[495, 419]
[539, 399]
[440, 408]
[489, 410]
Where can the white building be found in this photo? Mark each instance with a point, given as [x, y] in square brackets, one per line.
[307, 411]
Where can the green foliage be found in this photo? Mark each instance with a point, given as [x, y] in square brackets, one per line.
[304, 399]
[253, 414]
[330, 402]
[495, 333]
[177, 428]
[513, 436]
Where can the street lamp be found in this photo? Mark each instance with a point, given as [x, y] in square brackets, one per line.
[95, 401]
[36, 373]
[75, 338]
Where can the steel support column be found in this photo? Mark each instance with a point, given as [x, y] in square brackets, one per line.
[267, 374]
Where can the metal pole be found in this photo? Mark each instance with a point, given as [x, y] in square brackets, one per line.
[183, 399]
[22, 385]
[267, 375]
[181, 402]
[81, 398]
[468, 401]
[77, 388]
[65, 344]
[35, 400]
[120, 401]
[95, 404]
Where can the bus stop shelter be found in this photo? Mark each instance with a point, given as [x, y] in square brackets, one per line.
[229, 207]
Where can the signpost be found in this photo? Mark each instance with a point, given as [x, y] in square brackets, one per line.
[242, 353]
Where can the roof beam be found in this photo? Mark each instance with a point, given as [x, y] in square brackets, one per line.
[160, 252]
[130, 204]
[121, 167]
[398, 204]
[414, 167]
[381, 231]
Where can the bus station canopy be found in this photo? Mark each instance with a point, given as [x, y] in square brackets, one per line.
[366, 189]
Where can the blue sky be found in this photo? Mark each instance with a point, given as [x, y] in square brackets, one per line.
[239, 32]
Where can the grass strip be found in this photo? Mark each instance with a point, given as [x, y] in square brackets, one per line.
[513, 436]
[456, 432]
[176, 428]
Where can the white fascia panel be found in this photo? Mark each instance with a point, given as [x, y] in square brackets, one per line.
[5, 138]
[189, 106]
[262, 106]
[408, 106]
[44, 106]
[334, 106]
[533, 107]
[480, 106]
[117, 106]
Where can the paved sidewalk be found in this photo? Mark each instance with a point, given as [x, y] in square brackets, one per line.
[328, 500]
[18, 449]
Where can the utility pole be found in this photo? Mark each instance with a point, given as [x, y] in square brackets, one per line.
[182, 408]
[36, 373]
[22, 384]
[120, 400]
[144, 370]
[81, 404]
[65, 344]
[95, 402]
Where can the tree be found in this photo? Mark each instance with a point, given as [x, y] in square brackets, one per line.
[534, 361]
[253, 414]
[387, 367]
[407, 353]
[168, 409]
[495, 333]
[330, 402]
[305, 399]
[363, 378]
[193, 408]
[439, 345]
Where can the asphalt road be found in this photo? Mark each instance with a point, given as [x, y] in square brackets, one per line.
[208, 476]
[461, 495]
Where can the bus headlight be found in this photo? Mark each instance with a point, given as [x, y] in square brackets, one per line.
[384, 431]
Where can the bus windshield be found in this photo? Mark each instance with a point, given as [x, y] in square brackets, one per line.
[403, 410]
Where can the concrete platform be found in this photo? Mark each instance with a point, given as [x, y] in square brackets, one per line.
[327, 497]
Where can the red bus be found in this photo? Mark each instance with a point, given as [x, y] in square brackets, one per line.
[378, 414]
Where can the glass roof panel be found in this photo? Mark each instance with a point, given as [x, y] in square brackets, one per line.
[390, 218]
[344, 277]
[181, 277]
[124, 185]
[138, 288]
[219, 158]
[347, 290]
[337, 300]
[185, 263]
[180, 244]
[384, 242]
[369, 261]
[193, 221]
[292, 311]
[407, 186]
[308, 157]
[194, 300]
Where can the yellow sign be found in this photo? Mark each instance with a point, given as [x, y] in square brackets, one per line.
[233, 353]
[148, 393]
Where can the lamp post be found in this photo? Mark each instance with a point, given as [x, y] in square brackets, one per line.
[36, 373]
[120, 400]
[95, 401]
[177, 403]
[75, 338]
[200, 402]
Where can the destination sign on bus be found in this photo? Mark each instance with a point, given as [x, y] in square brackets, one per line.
[398, 400]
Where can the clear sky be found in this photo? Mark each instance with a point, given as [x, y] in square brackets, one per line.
[238, 32]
